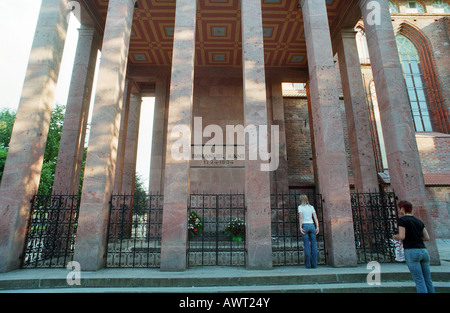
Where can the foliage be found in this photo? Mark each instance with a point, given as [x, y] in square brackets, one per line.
[7, 118]
[140, 197]
[6, 124]
[3, 153]
[83, 165]
[236, 228]
[195, 225]
[54, 134]
[51, 150]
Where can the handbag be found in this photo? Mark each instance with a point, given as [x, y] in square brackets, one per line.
[399, 251]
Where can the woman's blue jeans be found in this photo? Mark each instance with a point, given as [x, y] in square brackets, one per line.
[310, 245]
[418, 261]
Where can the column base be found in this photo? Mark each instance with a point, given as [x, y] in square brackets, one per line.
[173, 260]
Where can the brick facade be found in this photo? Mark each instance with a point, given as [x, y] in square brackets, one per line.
[439, 198]
[298, 142]
[430, 34]
[434, 149]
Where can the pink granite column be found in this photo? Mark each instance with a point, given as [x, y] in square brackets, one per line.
[281, 174]
[405, 170]
[118, 175]
[357, 116]
[98, 181]
[23, 165]
[176, 187]
[313, 142]
[328, 136]
[120, 159]
[130, 154]
[131, 146]
[257, 182]
[70, 156]
[156, 184]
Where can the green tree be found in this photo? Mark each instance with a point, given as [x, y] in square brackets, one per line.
[140, 199]
[51, 150]
[7, 118]
[6, 124]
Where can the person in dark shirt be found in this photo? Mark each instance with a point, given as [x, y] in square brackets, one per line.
[413, 233]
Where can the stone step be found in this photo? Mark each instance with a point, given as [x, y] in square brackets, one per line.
[384, 287]
[221, 279]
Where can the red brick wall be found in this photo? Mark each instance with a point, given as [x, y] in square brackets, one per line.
[298, 142]
[434, 149]
[439, 200]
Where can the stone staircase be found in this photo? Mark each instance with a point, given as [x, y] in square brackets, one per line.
[394, 278]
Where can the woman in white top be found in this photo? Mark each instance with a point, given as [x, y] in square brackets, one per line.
[309, 227]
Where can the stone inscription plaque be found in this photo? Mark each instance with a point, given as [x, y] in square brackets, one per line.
[217, 156]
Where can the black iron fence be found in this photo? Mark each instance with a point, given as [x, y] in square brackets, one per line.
[287, 243]
[51, 231]
[216, 226]
[134, 231]
[375, 222]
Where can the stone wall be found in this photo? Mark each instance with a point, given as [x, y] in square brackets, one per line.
[218, 100]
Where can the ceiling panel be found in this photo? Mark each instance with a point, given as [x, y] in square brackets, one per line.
[218, 38]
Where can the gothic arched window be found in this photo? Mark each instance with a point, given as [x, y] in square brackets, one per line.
[380, 149]
[412, 71]
[361, 43]
[393, 8]
[440, 6]
[414, 7]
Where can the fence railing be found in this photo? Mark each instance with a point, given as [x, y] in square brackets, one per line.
[375, 222]
[134, 231]
[135, 223]
[287, 243]
[51, 231]
[221, 239]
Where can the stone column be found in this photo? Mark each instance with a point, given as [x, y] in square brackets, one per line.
[405, 170]
[129, 155]
[70, 156]
[156, 184]
[103, 142]
[281, 174]
[357, 116]
[257, 181]
[176, 186]
[313, 143]
[328, 136]
[131, 146]
[118, 175]
[23, 165]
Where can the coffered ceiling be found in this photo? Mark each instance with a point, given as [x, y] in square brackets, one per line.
[218, 38]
